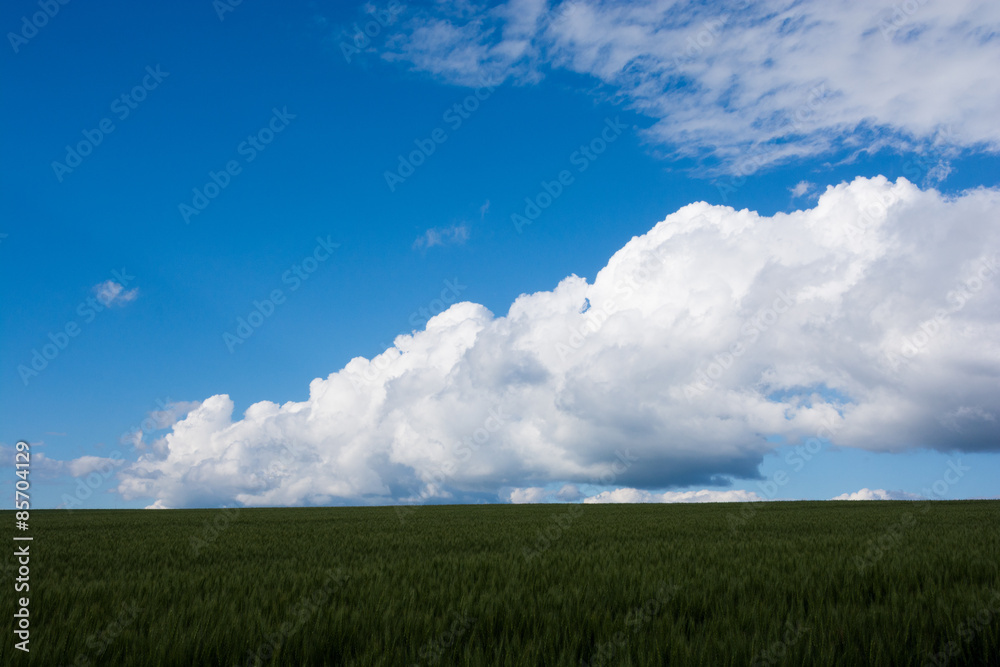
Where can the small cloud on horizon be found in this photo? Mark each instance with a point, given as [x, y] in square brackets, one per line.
[629, 495]
[878, 494]
[569, 493]
[531, 494]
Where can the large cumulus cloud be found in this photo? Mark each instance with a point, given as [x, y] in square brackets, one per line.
[871, 321]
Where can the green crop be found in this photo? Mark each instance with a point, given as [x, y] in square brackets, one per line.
[779, 583]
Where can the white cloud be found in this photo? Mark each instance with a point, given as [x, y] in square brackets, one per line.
[157, 420]
[802, 188]
[168, 416]
[888, 338]
[84, 465]
[703, 496]
[877, 494]
[473, 44]
[569, 493]
[776, 79]
[453, 235]
[938, 172]
[41, 465]
[111, 293]
[533, 494]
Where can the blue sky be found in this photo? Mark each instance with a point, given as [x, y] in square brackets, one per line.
[202, 86]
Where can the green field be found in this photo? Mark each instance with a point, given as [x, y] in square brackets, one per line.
[805, 583]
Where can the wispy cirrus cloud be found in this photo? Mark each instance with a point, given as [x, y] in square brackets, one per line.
[456, 234]
[778, 79]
